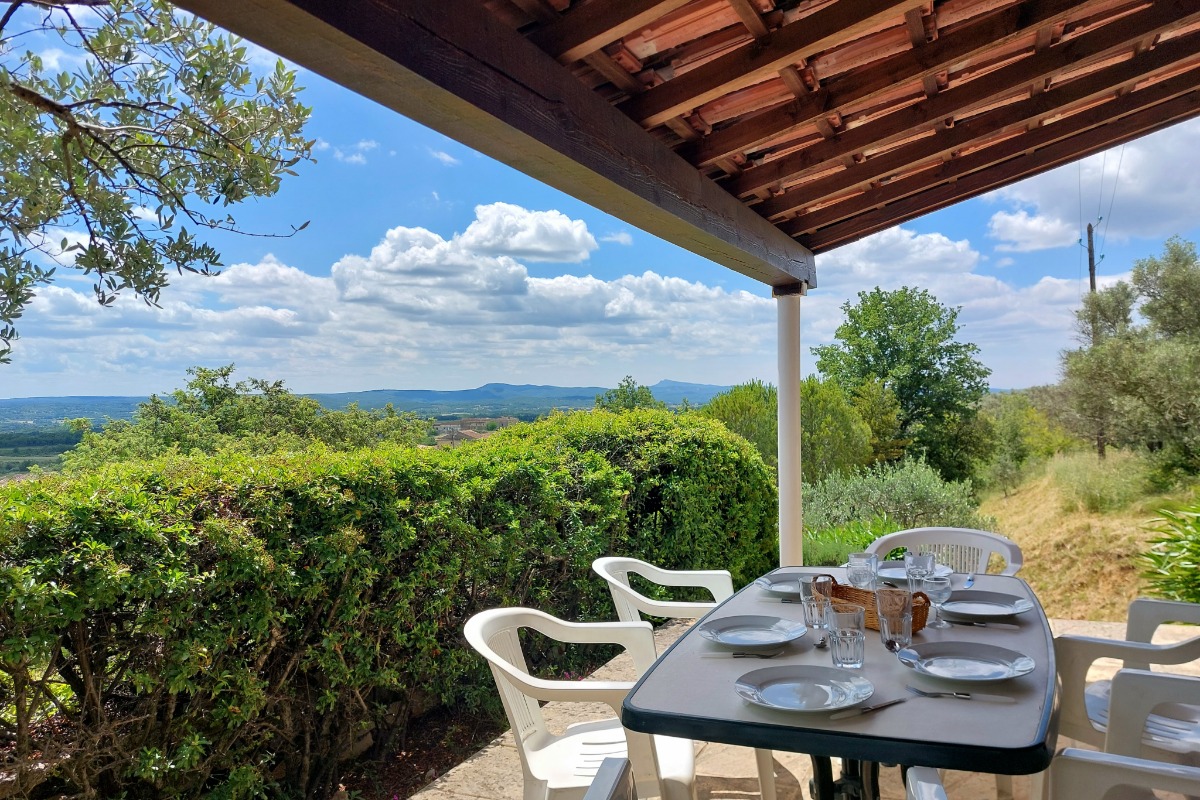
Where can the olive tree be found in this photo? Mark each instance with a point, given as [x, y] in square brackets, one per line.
[118, 164]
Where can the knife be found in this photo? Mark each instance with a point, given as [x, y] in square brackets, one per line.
[854, 712]
[1008, 625]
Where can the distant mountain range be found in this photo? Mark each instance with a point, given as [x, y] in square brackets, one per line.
[490, 400]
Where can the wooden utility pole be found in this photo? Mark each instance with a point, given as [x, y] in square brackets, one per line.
[1100, 438]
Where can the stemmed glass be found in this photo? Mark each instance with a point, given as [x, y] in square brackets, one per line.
[938, 590]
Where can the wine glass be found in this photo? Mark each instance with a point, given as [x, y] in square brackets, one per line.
[938, 590]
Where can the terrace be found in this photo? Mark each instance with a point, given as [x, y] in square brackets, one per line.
[725, 772]
[756, 133]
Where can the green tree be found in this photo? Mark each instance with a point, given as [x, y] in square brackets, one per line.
[833, 437]
[880, 409]
[627, 396]
[255, 416]
[1138, 384]
[751, 411]
[114, 166]
[906, 339]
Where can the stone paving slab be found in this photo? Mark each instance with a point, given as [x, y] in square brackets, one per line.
[725, 772]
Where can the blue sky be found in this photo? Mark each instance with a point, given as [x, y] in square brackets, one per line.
[429, 266]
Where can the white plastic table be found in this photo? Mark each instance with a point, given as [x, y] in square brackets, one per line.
[687, 695]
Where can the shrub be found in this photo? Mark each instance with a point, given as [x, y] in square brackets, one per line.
[1095, 485]
[910, 494]
[1173, 561]
[230, 625]
[832, 546]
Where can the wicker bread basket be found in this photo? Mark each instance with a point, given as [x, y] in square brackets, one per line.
[866, 598]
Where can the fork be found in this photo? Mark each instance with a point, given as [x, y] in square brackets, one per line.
[998, 698]
[743, 654]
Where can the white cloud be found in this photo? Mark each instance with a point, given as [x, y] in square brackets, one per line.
[357, 154]
[417, 311]
[506, 229]
[1148, 188]
[620, 237]
[444, 157]
[1019, 232]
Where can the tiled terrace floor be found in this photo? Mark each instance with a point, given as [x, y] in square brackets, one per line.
[725, 772]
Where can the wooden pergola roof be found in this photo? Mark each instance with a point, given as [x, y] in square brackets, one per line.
[757, 132]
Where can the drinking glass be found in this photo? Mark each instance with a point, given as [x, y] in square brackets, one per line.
[847, 637]
[815, 611]
[917, 566]
[861, 569]
[938, 590]
[894, 607]
[822, 586]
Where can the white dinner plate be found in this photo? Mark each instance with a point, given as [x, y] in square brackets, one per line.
[782, 585]
[966, 661]
[975, 604]
[894, 570]
[752, 631]
[800, 687]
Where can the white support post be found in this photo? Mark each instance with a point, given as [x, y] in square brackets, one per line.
[791, 513]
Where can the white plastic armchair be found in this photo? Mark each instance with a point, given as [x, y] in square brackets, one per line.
[1076, 774]
[1084, 707]
[1135, 729]
[631, 604]
[923, 783]
[563, 765]
[962, 549]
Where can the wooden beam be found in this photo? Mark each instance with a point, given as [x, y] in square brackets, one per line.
[983, 127]
[616, 74]
[1146, 102]
[931, 112]
[459, 71]
[587, 27]
[862, 85]
[1099, 139]
[748, 14]
[756, 61]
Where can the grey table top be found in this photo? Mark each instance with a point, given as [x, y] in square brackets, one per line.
[685, 694]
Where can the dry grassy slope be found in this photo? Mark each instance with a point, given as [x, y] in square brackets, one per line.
[1081, 564]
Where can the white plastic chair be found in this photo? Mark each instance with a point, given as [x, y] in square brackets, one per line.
[631, 604]
[562, 766]
[923, 783]
[1083, 775]
[961, 549]
[1084, 708]
[613, 781]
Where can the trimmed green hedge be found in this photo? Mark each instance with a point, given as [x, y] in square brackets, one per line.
[229, 626]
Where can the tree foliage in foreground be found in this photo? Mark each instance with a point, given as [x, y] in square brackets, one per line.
[907, 340]
[1136, 377]
[255, 416]
[118, 165]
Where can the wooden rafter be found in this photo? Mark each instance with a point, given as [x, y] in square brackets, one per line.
[927, 115]
[995, 30]
[586, 28]
[753, 62]
[1146, 104]
[461, 72]
[1022, 166]
[822, 120]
